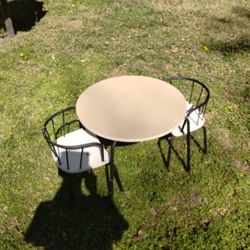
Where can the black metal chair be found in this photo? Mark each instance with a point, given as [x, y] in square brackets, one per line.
[197, 95]
[76, 150]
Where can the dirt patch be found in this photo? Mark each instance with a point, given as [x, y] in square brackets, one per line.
[224, 138]
[243, 165]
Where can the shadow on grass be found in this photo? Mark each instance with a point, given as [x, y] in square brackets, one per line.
[239, 44]
[93, 222]
[171, 148]
[24, 14]
[241, 11]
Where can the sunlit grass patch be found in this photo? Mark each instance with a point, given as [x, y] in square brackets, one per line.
[79, 43]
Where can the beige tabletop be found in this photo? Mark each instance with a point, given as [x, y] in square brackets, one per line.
[131, 108]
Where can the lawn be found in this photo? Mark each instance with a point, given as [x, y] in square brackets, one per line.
[78, 43]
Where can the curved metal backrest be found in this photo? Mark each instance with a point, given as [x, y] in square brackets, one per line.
[61, 123]
[195, 92]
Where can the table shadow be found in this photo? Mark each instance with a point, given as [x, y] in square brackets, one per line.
[167, 160]
[92, 222]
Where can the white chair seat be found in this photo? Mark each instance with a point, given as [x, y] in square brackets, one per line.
[196, 121]
[91, 157]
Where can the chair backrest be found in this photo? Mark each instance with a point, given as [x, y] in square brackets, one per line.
[60, 124]
[196, 93]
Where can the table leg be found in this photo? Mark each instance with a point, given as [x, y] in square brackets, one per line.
[114, 170]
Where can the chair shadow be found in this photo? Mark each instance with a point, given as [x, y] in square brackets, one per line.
[24, 14]
[93, 222]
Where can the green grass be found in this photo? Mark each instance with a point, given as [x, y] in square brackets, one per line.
[79, 43]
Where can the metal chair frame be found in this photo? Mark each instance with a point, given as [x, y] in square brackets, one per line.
[199, 106]
[62, 130]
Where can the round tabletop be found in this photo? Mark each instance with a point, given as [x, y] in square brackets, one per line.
[131, 108]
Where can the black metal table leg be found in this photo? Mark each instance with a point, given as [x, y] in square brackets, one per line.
[113, 167]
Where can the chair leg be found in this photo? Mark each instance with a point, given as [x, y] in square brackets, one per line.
[204, 140]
